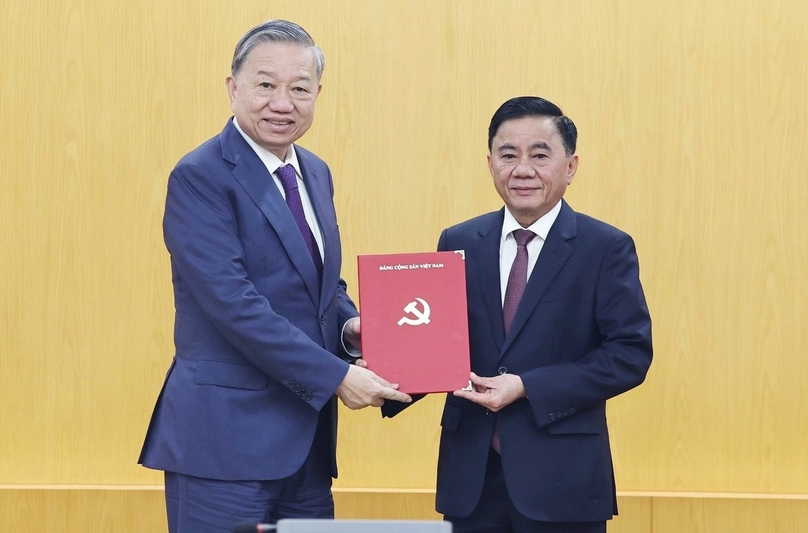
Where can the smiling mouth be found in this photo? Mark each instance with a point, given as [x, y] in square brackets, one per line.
[279, 122]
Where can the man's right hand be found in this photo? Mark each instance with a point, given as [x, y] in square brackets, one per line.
[361, 388]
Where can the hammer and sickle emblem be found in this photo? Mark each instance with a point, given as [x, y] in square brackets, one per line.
[412, 309]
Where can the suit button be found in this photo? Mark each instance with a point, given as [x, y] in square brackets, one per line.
[558, 414]
[307, 396]
[572, 410]
[566, 412]
[552, 416]
[322, 320]
[502, 370]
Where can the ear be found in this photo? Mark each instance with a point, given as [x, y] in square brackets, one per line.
[572, 168]
[490, 168]
[232, 88]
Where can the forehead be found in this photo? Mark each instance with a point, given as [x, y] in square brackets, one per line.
[524, 132]
[277, 57]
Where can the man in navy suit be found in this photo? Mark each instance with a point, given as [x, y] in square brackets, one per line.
[527, 448]
[245, 426]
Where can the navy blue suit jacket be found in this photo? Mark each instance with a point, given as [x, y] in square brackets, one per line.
[581, 335]
[257, 340]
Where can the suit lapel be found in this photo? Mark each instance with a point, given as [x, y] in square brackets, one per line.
[318, 187]
[486, 253]
[251, 173]
[554, 255]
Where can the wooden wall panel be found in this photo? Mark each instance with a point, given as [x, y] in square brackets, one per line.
[636, 515]
[119, 509]
[388, 505]
[736, 515]
[692, 121]
[82, 510]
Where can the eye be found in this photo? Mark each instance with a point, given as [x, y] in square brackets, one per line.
[265, 85]
[508, 157]
[300, 90]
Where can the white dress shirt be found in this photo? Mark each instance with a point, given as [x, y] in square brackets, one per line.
[507, 244]
[272, 162]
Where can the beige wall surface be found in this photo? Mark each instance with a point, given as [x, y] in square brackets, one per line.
[692, 119]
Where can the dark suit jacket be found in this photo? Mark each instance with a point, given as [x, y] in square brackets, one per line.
[581, 335]
[256, 338]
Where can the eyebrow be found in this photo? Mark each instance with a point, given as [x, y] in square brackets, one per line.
[506, 146]
[541, 145]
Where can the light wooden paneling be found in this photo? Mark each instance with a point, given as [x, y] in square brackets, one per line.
[82, 510]
[390, 505]
[729, 515]
[120, 509]
[692, 120]
[636, 516]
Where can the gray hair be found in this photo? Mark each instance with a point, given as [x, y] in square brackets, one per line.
[276, 31]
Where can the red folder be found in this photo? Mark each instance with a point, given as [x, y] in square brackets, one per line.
[414, 319]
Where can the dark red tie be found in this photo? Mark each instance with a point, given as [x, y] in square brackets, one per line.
[288, 178]
[517, 280]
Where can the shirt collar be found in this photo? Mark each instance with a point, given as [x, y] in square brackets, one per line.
[270, 160]
[541, 227]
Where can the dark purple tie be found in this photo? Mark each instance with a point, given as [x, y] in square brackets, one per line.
[288, 178]
[517, 280]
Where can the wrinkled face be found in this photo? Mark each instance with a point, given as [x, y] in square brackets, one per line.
[273, 94]
[530, 167]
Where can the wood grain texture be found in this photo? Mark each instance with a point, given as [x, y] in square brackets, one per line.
[127, 510]
[692, 122]
[674, 515]
[83, 510]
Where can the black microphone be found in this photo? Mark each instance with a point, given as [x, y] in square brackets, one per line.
[247, 527]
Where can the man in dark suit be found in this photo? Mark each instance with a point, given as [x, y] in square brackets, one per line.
[245, 426]
[558, 325]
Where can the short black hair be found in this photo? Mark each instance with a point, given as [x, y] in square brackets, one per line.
[534, 106]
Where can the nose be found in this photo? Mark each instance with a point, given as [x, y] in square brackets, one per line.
[523, 168]
[281, 100]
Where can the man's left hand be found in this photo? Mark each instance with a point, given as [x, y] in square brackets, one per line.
[494, 393]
